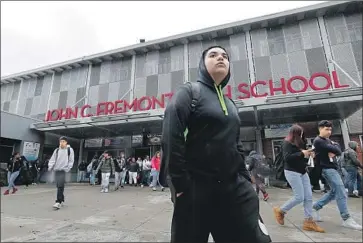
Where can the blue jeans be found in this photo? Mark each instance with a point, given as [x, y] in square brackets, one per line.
[301, 187]
[336, 192]
[11, 179]
[351, 180]
[155, 175]
[81, 175]
[92, 179]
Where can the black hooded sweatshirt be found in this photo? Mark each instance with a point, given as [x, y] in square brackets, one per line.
[212, 148]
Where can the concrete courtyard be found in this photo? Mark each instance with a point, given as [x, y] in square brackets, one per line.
[138, 214]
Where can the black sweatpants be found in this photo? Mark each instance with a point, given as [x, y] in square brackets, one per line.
[60, 179]
[227, 210]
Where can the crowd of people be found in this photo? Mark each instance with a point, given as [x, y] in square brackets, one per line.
[134, 172]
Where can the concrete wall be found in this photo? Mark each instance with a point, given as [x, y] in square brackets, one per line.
[17, 127]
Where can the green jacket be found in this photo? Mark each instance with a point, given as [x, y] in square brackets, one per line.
[106, 166]
[350, 156]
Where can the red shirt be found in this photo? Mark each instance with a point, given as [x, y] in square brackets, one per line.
[155, 163]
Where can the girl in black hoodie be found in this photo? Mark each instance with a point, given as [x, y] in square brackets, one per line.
[14, 166]
[296, 157]
[213, 191]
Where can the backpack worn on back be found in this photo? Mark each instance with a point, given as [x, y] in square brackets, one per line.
[278, 166]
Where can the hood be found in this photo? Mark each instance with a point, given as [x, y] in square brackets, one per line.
[253, 152]
[205, 78]
[353, 145]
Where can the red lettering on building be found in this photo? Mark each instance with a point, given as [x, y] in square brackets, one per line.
[245, 91]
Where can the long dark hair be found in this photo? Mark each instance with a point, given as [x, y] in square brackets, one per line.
[295, 136]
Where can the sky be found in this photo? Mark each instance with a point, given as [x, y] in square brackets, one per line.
[36, 34]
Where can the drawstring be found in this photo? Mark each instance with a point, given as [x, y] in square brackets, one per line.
[221, 99]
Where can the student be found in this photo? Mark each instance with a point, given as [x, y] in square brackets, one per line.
[351, 165]
[155, 171]
[13, 167]
[107, 167]
[204, 158]
[326, 151]
[61, 163]
[296, 156]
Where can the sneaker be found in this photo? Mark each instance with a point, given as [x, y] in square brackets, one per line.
[163, 189]
[316, 216]
[102, 190]
[353, 196]
[279, 216]
[154, 189]
[142, 186]
[34, 184]
[106, 190]
[356, 193]
[266, 197]
[346, 190]
[14, 190]
[350, 223]
[6, 192]
[310, 225]
[57, 205]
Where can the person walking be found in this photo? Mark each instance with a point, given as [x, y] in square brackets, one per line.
[13, 167]
[326, 152]
[134, 169]
[61, 163]
[146, 169]
[351, 165]
[107, 167]
[255, 164]
[155, 171]
[296, 158]
[81, 172]
[204, 158]
[123, 168]
[118, 171]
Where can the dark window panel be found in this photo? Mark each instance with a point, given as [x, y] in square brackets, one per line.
[177, 79]
[240, 71]
[57, 82]
[95, 74]
[6, 106]
[164, 62]
[103, 93]
[39, 86]
[62, 103]
[152, 85]
[293, 38]
[193, 74]
[140, 66]
[276, 41]
[15, 91]
[357, 50]
[316, 60]
[28, 106]
[80, 93]
[263, 72]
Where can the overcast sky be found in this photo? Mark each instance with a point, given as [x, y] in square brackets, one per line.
[35, 34]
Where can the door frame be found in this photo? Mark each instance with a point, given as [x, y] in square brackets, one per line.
[273, 146]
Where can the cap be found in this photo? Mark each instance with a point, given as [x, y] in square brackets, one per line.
[63, 138]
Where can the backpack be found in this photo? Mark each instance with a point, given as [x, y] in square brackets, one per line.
[262, 167]
[56, 153]
[195, 89]
[278, 166]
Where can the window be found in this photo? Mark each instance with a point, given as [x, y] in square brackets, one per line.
[276, 147]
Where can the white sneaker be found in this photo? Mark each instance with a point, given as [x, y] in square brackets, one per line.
[142, 186]
[346, 190]
[57, 205]
[356, 193]
[106, 190]
[102, 190]
[316, 216]
[154, 189]
[350, 223]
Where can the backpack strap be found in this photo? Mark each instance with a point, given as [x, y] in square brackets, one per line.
[56, 154]
[195, 89]
[69, 152]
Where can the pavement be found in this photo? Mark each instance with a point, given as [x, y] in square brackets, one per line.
[138, 214]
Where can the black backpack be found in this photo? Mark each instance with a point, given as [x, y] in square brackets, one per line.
[278, 166]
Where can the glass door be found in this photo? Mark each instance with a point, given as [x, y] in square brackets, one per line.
[276, 147]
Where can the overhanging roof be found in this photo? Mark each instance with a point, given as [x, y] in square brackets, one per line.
[286, 17]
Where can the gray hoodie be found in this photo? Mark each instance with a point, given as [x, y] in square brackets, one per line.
[61, 162]
[350, 156]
